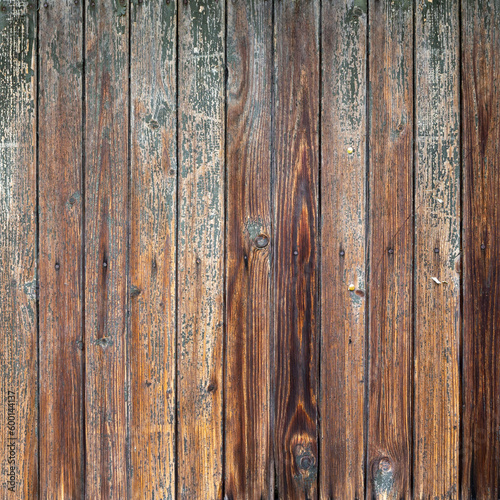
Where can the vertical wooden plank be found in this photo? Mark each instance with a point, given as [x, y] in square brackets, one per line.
[60, 257]
[200, 248]
[249, 363]
[106, 214]
[296, 147]
[437, 251]
[343, 273]
[391, 248]
[153, 250]
[18, 313]
[481, 245]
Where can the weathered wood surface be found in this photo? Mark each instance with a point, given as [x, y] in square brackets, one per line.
[248, 452]
[268, 249]
[153, 249]
[200, 274]
[106, 248]
[391, 249]
[18, 252]
[295, 197]
[343, 248]
[480, 446]
[437, 251]
[60, 250]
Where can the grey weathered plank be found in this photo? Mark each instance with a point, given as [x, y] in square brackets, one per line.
[480, 447]
[200, 249]
[436, 412]
[18, 264]
[343, 272]
[60, 255]
[391, 248]
[295, 198]
[153, 249]
[106, 220]
[248, 447]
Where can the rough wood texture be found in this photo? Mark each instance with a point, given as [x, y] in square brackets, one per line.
[153, 249]
[60, 255]
[106, 219]
[249, 355]
[391, 248]
[481, 246]
[18, 266]
[436, 426]
[343, 274]
[200, 249]
[296, 247]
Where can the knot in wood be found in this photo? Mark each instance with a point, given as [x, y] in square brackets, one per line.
[261, 241]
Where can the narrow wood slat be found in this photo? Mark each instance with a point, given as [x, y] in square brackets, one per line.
[249, 356]
[106, 214]
[343, 272]
[18, 264]
[481, 246]
[295, 200]
[60, 256]
[200, 249]
[437, 251]
[153, 249]
[391, 248]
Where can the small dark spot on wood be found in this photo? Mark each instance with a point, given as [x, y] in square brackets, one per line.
[185, 2]
[436, 250]
[172, 171]
[261, 241]
[92, 4]
[357, 11]
[104, 264]
[153, 124]
[79, 345]
[211, 387]
[350, 340]
[76, 2]
[103, 342]
[198, 261]
[168, 1]
[57, 266]
[342, 253]
[135, 291]
[46, 5]
[148, 383]
[483, 246]
[295, 252]
[391, 251]
[360, 293]
[3, 8]
[30, 6]
[153, 264]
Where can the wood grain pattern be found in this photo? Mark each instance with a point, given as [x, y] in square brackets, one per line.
[18, 249]
[249, 281]
[200, 249]
[343, 273]
[481, 246]
[152, 249]
[106, 221]
[391, 248]
[295, 200]
[437, 252]
[60, 255]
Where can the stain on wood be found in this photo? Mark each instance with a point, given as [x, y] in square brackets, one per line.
[248, 450]
[391, 248]
[18, 253]
[343, 248]
[200, 249]
[106, 254]
[153, 249]
[437, 252]
[61, 253]
[295, 197]
[480, 446]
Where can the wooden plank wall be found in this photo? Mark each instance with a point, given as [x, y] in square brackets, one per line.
[249, 249]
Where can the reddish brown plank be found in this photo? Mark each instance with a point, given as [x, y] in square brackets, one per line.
[295, 200]
[481, 247]
[153, 249]
[200, 249]
[391, 248]
[106, 219]
[249, 355]
[343, 273]
[436, 424]
[18, 249]
[60, 256]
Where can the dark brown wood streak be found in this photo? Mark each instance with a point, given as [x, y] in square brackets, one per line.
[391, 248]
[295, 200]
[481, 248]
[248, 448]
[106, 220]
[60, 254]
